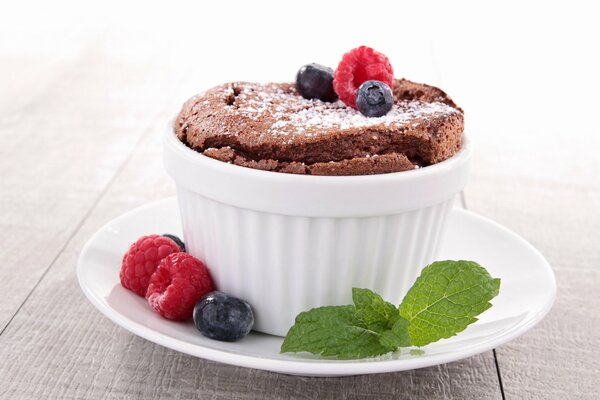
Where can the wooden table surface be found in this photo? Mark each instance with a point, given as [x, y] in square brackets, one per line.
[85, 91]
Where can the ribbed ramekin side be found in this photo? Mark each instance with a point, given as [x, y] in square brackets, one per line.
[283, 265]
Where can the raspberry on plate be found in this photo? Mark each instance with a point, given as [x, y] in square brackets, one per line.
[177, 284]
[357, 66]
[141, 260]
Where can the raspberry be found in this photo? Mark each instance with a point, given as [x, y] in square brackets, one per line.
[141, 260]
[178, 283]
[357, 66]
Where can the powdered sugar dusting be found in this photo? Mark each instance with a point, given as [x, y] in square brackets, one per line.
[342, 117]
[294, 115]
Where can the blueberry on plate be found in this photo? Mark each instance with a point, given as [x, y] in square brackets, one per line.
[223, 317]
[374, 99]
[177, 241]
[315, 81]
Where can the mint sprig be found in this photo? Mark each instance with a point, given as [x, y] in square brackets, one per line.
[375, 313]
[443, 301]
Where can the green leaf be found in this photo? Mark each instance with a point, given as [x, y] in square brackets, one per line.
[446, 298]
[377, 314]
[397, 336]
[333, 331]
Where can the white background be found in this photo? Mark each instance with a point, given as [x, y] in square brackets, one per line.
[526, 73]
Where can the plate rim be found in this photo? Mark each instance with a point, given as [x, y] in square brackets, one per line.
[312, 367]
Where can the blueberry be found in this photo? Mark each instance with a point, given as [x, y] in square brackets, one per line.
[177, 241]
[374, 99]
[315, 81]
[223, 317]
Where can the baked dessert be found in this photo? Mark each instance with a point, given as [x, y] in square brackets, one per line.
[271, 127]
[313, 237]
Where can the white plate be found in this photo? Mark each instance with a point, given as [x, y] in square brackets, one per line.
[526, 294]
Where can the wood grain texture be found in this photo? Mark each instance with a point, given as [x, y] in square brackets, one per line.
[536, 171]
[60, 347]
[559, 213]
[52, 172]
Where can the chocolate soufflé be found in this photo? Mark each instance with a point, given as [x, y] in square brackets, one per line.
[270, 127]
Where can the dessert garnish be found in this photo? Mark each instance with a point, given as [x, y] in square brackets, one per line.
[374, 99]
[358, 66]
[315, 81]
[363, 80]
[221, 316]
[178, 287]
[157, 268]
[445, 299]
[178, 282]
[142, 258]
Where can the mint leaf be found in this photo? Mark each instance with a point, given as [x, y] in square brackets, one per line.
[333, 331]
[377, 314]
[398, 336]
[445, 299]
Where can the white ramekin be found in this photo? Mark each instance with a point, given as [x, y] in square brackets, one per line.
[287, 243]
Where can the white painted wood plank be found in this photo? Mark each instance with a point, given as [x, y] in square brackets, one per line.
[529, 90]
[556, 206]
[61, 145]
[560, 357]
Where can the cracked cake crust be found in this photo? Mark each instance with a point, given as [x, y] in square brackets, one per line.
[271, 127]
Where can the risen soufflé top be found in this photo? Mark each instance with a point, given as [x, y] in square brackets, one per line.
[271, 127]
